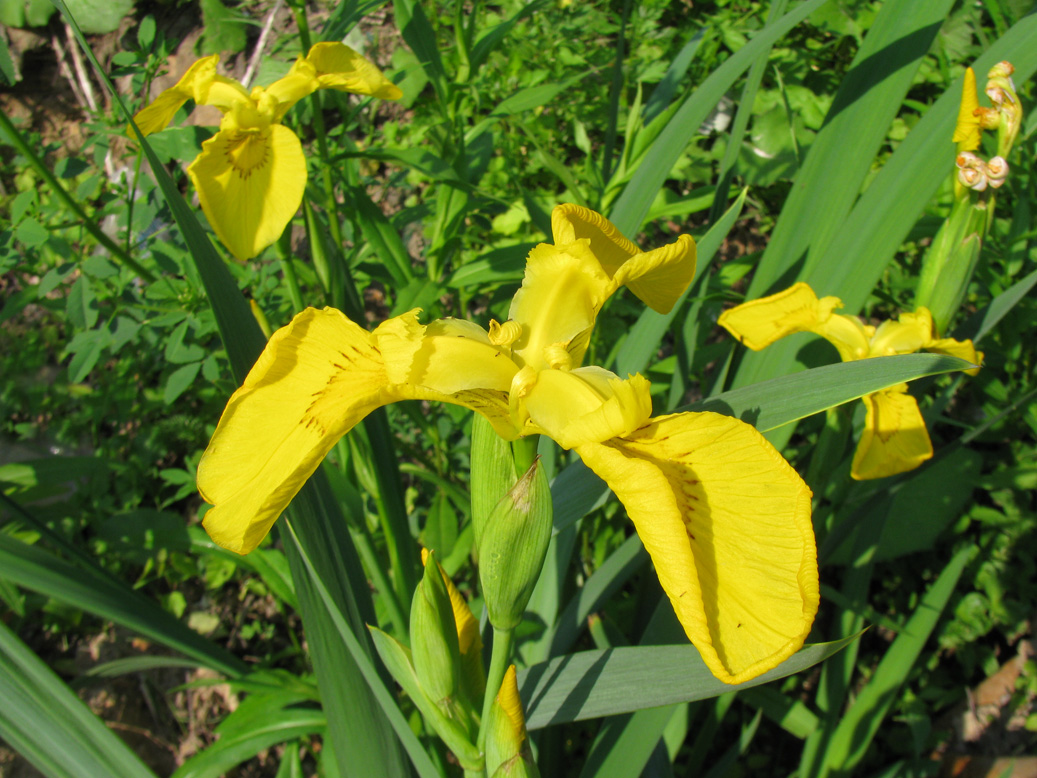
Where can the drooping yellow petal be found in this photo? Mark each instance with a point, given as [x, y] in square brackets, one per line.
[561, 294]
[341, 68]
[726, 521]
[759, 323]
[250, 183]
[587, 405]
[963, 349]
[894, 440]
[967, 131]
[657, 277]
[315, 379]
[193, 85]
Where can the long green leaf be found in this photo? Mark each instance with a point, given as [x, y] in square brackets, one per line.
[357, 727]
[771, 404]
[46, 723]
[41, 571]
[841, 155]
[629, 210]
[590, 684]
[869, 236]
[642, 341]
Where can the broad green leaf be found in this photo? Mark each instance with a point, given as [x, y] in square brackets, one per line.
[381, 236]
[97, 17]
[771, 404]
[869, 235]
[420, 36]
[81, 304]
[633, 204]
[362, 661]
[45, 722]
[856, 125]
[223, 29]
[249, 730]
[590, 684]
[920, 507]
[179, 381]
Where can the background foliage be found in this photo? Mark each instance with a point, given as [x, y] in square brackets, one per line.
[811, 147]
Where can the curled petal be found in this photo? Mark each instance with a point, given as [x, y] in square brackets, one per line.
[759, 323]
[657, 277]
[315, 379]
[727, 523]
[894, 439]
[963, 349]
[339, 67]
[250, 183]
[587, 405]
[967, 129]
[193, 85]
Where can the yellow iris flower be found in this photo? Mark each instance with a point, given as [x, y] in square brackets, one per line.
[250, 175]
[895, 439]
[724, 517]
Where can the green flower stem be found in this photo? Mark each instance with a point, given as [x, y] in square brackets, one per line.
[499, 660]
[88, 223]
[525, 452]
[291, 279]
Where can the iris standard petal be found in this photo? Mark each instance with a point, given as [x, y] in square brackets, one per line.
[193, 85]
[963, 349]
[339, 67]
[967, 130]
[570, 223]
[894, 440]
[659, 277]
[561, 294]
[315, 379]
[726, 521]
[250, 183]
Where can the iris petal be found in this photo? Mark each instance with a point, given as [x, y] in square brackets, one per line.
[315, 379]
[894, 440]
[726, 521]
[250, 184]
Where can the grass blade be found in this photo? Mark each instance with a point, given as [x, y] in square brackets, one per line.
[44, 721]
[629, 210]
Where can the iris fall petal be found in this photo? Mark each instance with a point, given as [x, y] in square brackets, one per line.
[895, 439]
[726, 521]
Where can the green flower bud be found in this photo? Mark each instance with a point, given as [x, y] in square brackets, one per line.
[434, 646]
[514, 544]
[493, 473]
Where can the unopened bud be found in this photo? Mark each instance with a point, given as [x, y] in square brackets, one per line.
[997, 171]
[507, 754]
[513, 546]
[433, 632]
[972, 171]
